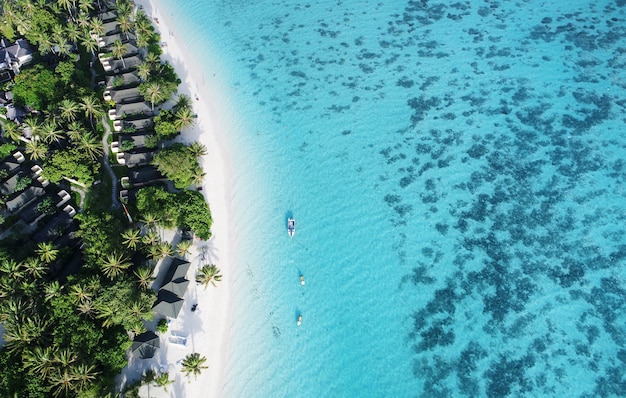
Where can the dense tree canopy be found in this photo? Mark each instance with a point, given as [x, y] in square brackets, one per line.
[186, 209]
[37, 87]
[69, 336]
[178, 164]
[73, 163]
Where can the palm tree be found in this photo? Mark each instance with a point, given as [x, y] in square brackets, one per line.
[107, 314]
[183, 247]
[24, 332]
[193, 364]
[31, 123]
[73, 32]
[68, 4]
[11, 268]
[123, 8]
[52, 290]
[96, 26]
[183, 101]
[49, 131]
[119, 50]
[184, 118]
[91, 107]
[144, 276]
[90, 145]
[143, 70]
[40, 361]
[198, 176]
[13, 309]
[89, 43]
[61, 382]
[165, 249]
[154, 252]
[86, 308]
[84, 375]
[114, 264]
[33, 267]
[197, 149]
[125, 23]
[12, 131]
[163, 380]
[69, 109]
[151, 238]
[131, 238]
[36, 150]
[209, 274]
[79, 293]
[143, 38]
[85, 6]
[75, 131]
[46, 45]
[153, 60]
[140, 310]
[82, 20]
[154, 93]
[47, 252]
[150, 220]
[142, 22]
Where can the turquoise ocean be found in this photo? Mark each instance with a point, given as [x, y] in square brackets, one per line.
[457, 174]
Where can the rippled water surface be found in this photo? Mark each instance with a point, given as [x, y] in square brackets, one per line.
[456, 170]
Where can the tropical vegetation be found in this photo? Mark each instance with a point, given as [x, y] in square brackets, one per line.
[66, 334]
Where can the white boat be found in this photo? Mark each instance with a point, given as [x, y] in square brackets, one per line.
[302, 280]
[291, 227]
[299, 320]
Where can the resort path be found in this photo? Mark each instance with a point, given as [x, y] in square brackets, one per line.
[115, 202]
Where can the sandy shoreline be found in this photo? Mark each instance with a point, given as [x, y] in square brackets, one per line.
[210, 326]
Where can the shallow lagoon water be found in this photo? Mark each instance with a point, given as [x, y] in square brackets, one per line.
[456, 171]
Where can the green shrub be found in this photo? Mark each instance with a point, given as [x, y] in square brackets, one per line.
[162, 326]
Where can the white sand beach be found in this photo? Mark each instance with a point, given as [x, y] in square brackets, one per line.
[207, 330]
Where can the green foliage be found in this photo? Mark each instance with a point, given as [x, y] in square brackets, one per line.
[186, 209]
[151, 141]
[166, 78]
[195, 213]
[154, 200]
[11, 373]
[178, 164]
[162, 326]
[40, 22]
[46, 206]
[38, 88]
[73, 163]
[123, 303]
[65, 70]
[118, 81]
[164, 124]
[22, 183]
[8, 32]
[126, 145]
[101, 234]
[6, 149]
[71, 329]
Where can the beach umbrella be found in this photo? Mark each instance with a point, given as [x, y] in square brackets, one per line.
[145, 345]
[168, 304]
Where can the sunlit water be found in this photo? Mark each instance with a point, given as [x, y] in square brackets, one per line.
[456, 171]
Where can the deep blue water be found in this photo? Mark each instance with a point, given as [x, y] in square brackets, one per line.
[456, 170]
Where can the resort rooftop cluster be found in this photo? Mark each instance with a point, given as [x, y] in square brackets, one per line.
[99, 197]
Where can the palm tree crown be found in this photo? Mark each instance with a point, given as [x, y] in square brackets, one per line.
[193, 364]
[209, 274]
[114, 264]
